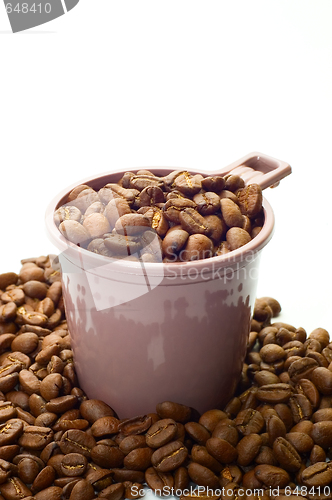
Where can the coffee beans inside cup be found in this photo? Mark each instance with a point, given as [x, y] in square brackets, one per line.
[172, 218]
[273, 439]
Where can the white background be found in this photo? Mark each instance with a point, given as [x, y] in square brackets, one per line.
[124, 84]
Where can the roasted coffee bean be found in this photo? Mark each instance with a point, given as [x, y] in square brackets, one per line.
[286, 455]
[188, 184]
[200, 455]
[158, 481]
[250, 200]
[198, 246]
[169, 457]
[271, 476]
[207, 203]
[36, 438]
[136, 476]
[130, 443]
[113, 492]
[322, 434]
[237, 237]
[136, 425]
[309, 390]
[302, 368]
[247, 449]
[221, 450]
[192, 222]
[197, 432]
[322, 379]
[271, 353]
[74, 464]
[82, 490]
[104, 426]
[301, 407]
[231, 213]
[10, 431]
[14, 489]
[139, 459]
[7, 279]
[107, 454]
[51, 493]
[174, 241]
[181, 479]
[274, 393]
[203, 476]
[210, 419]
[68, 212]
[249, 421]
[74, 231]
[44, 479]
[226, 431]
[317, 454]
[76, 441]
[318, 474]
[92, 409]
[161, 432]
[213, 183]
[178, 412]
[301, 441]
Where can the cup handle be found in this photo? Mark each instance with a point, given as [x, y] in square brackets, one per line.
[258, 168]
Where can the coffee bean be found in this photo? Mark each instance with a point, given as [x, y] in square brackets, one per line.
[74, 231]
[14, 489]
[82, 490]
[237, 237]
[188, 184]
[92, 409]
[302, 368]
[286, 454]
[161, 432]
[44, 479]
[210, 419]
[74, 464]
[36, 438]
[301, 441]
[138, 459]
[107, 454]
[250, 200]
[197, 432]
[213, 183]
[221, 450]
[157, 480]
[197, 247]
[274, 393]
[231, 213]
[200, 455]
[136, 425]
[76, 441]
[318, 474]
[169, 457]
[203, 476]
[249, 421]
[130, 443]
[175, 411]
[247, 448]
[271, 476]
[207, 202]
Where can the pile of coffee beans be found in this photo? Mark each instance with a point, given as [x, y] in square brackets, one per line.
[272, 440]
[188, 217]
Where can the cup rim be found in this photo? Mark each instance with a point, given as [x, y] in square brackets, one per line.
[75, 253]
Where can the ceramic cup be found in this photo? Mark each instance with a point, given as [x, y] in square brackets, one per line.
[147, 333]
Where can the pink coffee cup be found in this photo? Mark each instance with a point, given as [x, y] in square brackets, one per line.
[147, 333]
